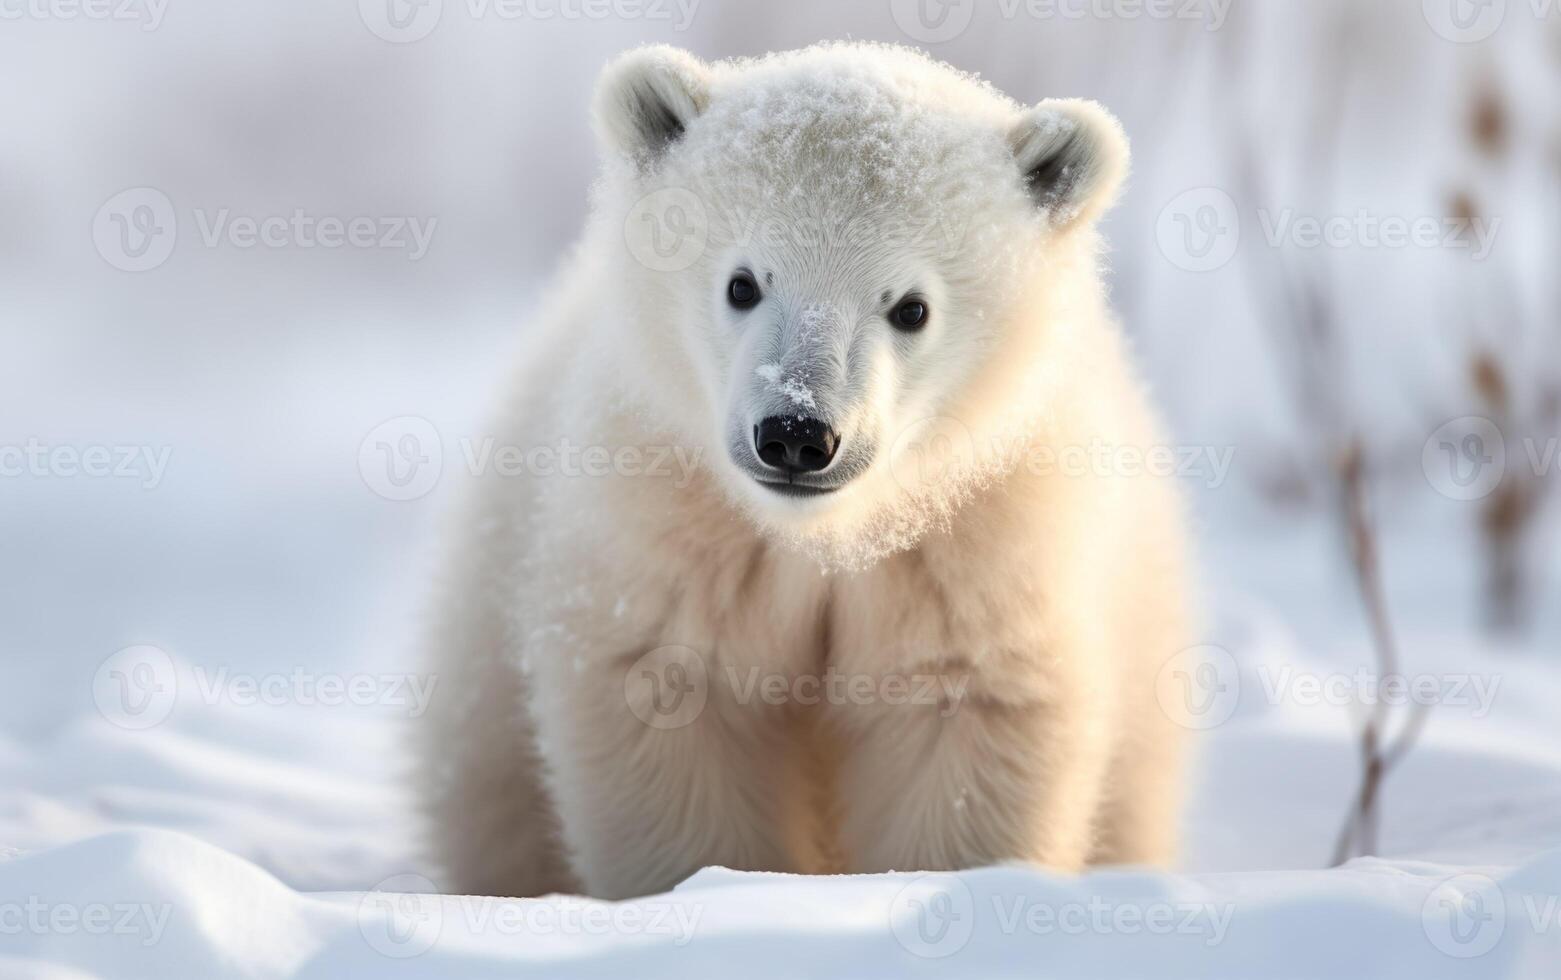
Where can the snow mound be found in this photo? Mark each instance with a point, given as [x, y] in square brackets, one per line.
[157, 903]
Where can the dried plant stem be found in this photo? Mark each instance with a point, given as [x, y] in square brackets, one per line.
[1379, 755]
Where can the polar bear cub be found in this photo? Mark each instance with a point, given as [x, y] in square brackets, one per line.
[797, 575]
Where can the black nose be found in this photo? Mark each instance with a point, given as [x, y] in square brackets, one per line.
[794, 444]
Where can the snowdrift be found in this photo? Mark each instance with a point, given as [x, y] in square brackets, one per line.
[162, 904]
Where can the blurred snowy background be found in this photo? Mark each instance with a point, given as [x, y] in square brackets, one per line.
[1339, 260]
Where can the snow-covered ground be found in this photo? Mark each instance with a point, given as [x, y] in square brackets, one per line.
[158, 904]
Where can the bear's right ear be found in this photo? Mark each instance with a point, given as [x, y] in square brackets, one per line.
[646, 98]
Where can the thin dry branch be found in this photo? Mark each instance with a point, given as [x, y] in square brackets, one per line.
[1379, 755]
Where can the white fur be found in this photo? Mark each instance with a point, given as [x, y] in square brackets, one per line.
[1047, 601]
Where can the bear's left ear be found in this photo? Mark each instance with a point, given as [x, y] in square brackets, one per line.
[1072, 156]
[646, 98]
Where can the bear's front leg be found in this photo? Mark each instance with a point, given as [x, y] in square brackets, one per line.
[658, 771]
[966, 771]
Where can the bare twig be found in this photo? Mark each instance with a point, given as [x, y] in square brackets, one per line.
[1378, 755]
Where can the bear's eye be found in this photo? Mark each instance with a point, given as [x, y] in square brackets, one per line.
[742, 291]
[909, 315]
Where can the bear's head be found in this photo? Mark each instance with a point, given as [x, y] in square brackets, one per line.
[850, 273]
